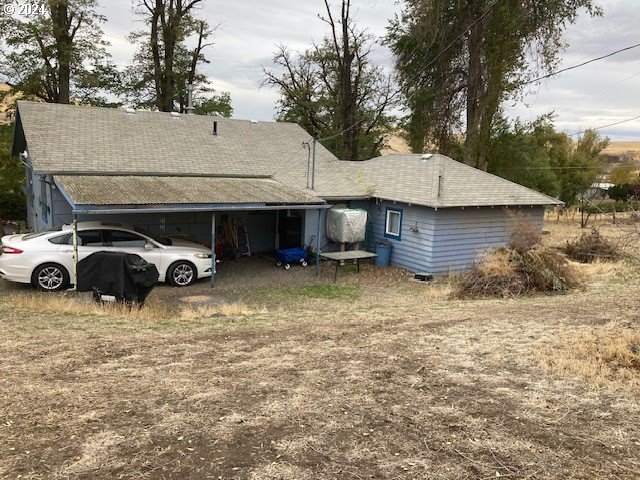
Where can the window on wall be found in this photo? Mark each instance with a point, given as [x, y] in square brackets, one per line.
[393, 224]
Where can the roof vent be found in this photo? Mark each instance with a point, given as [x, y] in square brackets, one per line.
[427, 156]
[215, 129]
[254, 122]
[175, 114]
[130, 110]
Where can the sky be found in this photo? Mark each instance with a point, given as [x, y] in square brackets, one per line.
[598, 94]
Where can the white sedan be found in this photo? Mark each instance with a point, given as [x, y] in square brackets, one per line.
[45, 259]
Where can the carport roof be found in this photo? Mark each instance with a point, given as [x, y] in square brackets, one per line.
[173, 190]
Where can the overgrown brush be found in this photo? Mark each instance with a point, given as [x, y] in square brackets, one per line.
[507, 273]
[522, 267]
[592, 246]
[524, 234]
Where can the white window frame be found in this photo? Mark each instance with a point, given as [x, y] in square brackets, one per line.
[387, 223]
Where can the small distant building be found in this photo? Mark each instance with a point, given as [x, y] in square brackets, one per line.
[597, 191]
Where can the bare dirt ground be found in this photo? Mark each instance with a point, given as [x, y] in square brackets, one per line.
[283, 375]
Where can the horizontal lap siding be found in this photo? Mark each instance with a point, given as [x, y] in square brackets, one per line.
[413, 250]
[463, 235]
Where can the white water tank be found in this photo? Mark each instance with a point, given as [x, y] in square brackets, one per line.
[346, 225]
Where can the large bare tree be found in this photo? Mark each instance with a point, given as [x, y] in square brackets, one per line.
[334, 89]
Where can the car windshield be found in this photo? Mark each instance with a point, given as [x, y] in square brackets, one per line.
[158, 238]
[29, 236]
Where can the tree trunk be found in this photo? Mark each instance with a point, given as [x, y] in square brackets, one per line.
[474, 88]
[64, 45]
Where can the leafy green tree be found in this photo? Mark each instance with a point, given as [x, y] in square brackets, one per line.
[164, 63]
[620, 192]
[539, 157]
[58, 53]
[334, 90]
[583, 167]
[626, 172]
[525, 152]
[12, 201]
[449, 79]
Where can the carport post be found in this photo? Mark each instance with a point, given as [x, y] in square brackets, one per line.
[75, 252]
[213, 247]
[318, 242]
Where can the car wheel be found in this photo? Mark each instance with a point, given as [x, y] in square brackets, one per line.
[50, 277]
[182, 274]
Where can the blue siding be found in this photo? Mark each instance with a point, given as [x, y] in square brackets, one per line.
[463, 235]
[413, 250]
[446, 240]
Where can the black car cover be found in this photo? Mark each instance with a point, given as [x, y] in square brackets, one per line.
[126, 276]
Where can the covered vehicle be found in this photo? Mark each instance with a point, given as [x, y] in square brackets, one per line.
[126, 277]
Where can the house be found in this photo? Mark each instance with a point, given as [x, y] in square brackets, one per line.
[597, 191]
[185, 174]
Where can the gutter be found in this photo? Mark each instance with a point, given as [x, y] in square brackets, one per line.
[75, 173]
[104, 210]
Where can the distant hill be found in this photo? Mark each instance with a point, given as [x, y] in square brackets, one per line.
[8, 103]
[619, 152]
[615, 153]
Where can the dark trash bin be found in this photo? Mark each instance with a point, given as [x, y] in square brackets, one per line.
[384, 254]
[125, 276]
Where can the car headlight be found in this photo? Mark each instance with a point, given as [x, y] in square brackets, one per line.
[202, 255]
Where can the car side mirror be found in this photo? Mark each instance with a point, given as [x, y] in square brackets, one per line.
[148, 246]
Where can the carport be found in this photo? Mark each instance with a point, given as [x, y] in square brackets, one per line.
[112, 196]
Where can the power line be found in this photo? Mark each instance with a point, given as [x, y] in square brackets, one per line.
[606, 126]
[553, 74]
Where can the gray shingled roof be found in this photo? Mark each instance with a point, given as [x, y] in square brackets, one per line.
[154, 190]
[81, 139]
[64, 139]
[412, 179]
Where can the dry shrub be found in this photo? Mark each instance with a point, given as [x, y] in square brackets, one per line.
[606, 356]
[508, 273]
[524, 234]
[591, 247]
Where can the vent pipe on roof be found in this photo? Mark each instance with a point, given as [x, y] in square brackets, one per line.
[440, 180]
[190, 109]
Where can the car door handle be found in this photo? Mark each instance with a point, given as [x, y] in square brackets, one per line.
[66, 251]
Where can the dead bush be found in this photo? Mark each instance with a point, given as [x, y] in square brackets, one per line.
[591, 247]
[508, 273]
[524, 234]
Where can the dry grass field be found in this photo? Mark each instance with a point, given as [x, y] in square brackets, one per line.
[283, 375]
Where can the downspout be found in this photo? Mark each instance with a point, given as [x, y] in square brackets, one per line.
[313, 164]
[75, 252]
[318, 242]
[213, 248]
